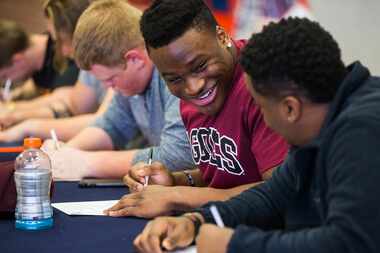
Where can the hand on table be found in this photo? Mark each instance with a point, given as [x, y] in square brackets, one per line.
[153, 201]
[9, 118]
[157, 172]
[166, 232]
[68, 163]
[15, 133]
[212, 238]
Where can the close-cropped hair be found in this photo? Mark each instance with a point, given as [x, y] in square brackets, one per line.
[13, 39]
[295, 56]
[64, 15]
[105, 32]
[166, 20]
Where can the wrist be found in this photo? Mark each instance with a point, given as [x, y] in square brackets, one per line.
[197, 220]
[183, 178]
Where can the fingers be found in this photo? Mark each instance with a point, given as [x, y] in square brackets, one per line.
[133, 184]
[135, 178]
[48, 145]
[124, 207]
[150, 239]
[168, 232]
[180, 234]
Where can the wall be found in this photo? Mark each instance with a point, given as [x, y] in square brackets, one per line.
[355, 25]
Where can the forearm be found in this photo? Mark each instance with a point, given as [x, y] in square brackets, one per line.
[92, 138]
[193, 197]
[43, 101]
[36, 113]
[65, 128]
[101, 166]
[330, 238]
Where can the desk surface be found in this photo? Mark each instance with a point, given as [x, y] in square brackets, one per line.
[75, 233]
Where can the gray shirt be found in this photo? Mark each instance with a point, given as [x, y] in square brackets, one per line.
[89, 80]
[155, 113]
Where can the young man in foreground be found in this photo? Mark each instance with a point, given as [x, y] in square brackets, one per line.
[232, 146]
[327, 189]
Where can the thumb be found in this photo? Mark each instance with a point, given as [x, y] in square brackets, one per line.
[157, 168]
[176, 237]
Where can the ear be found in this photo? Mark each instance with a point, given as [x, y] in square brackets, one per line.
[291, 109]
[134, 58]
[223, 37]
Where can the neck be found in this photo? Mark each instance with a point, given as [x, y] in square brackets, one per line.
[314, 116]
[36, 51]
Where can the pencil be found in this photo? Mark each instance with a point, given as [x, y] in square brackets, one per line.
[149, 163]
[55, 138]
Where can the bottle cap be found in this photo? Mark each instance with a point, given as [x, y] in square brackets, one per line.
[32, 142]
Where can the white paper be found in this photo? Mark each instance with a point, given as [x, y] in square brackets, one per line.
[191, 249]
[84, 207]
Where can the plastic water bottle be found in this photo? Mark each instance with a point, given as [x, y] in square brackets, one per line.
[33, 179]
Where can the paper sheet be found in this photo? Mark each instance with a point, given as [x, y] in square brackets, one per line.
[84, 207]
[191, 249]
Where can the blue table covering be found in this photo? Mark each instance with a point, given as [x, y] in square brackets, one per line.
[75, 233]
[9, 156]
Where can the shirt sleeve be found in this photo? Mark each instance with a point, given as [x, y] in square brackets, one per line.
[174, 149]
[90, 80]
[118, 122]
[262, 205]
[269, 148]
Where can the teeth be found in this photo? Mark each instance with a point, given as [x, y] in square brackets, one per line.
[206, 94]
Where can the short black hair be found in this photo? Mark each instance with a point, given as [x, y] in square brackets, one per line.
[294, 55]
[13, 39]
[166, 20]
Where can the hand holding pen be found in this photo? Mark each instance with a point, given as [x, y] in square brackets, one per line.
[152, 173]
[149, 163]
[54, 137]
[7, 96]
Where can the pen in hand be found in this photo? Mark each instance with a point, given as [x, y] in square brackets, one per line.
[7, 90]
[149, 163]
[55, 138]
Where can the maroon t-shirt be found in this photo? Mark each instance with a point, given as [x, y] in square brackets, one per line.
[234, 147]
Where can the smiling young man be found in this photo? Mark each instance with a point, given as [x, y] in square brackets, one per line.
[326, 192]
[108, 43]
[231, 145]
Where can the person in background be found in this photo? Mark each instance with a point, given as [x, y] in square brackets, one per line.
[251, 15]
[85, 100]
[231, 145]
[327, 189]
[32, 59]
[108, 44]
[224, 12]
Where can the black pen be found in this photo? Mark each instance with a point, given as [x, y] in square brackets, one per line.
[149, 163]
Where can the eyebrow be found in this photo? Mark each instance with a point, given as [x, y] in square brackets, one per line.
[190, 63]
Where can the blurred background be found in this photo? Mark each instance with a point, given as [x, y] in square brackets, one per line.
[355, 24]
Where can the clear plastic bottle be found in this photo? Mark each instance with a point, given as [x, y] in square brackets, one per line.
[33, 179]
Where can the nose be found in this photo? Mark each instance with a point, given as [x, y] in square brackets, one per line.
[194, 85]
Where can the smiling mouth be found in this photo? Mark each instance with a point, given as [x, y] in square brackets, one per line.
[205, 98]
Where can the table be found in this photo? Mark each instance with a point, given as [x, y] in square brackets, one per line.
[75, 233]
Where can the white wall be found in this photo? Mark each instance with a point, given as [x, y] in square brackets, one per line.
[355, 24]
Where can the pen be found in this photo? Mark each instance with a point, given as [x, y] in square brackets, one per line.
[216, 216]
[149, 163]
[88, 183]
[55, 138]
[7, 90]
